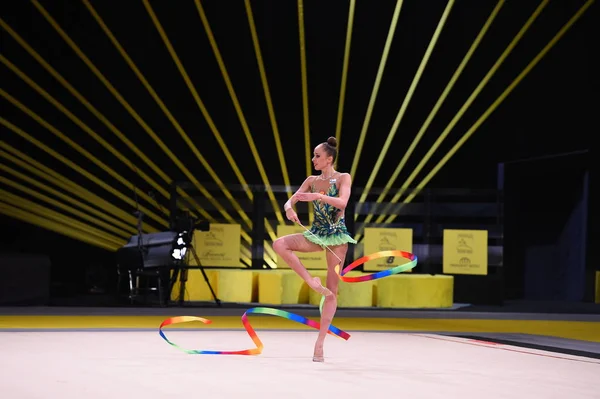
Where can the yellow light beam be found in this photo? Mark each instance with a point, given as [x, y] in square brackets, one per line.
[98, 74]
[305, 110]
[60, 181]
[469, 101]
[338, 128]
[30, 206]
[84, 152]
[85, 128]
[97, 113]
[273, 120]
[80, 170]
[60, 228]
[382, 63]
[213, 128]
[209, 120]
[497, 102]
[269, 101]
[63, 206]
[150, 90]
[239, 111]
[204, 111]
[437, 106]
[68, 162]
[116, 94]
[407, 98]
[244, 124]
[304, 79]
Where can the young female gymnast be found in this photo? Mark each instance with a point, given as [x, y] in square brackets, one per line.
[329, 193]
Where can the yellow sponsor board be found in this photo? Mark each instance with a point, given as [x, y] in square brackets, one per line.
[386, 239]
[310, 260]
[219, 246]
[465, 252]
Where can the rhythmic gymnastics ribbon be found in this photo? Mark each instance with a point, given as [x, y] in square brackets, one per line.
[333, 330]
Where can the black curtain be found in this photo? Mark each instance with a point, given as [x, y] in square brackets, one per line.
[546, 212]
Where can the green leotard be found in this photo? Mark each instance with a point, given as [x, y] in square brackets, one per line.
[329, 225]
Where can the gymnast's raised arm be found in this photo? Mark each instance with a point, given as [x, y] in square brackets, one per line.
[290, 213]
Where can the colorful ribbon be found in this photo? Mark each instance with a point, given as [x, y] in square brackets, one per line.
[251, 332]
[333, 330]
[384, 273]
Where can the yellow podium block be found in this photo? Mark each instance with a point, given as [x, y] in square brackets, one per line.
[356, 295]
[350, 295]
[235, 285]
[255, 283]
[196, 288]
[229, 285]
[281, 287]
[415, 291]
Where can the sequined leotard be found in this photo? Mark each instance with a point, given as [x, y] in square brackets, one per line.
[329, 224]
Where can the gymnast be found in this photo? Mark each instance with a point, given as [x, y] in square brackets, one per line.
[329, 192]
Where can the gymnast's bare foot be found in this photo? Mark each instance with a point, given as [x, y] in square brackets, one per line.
[315, 284]
[318, 353]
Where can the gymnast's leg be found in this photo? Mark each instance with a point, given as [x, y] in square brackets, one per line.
[330, 304]
[286, 246]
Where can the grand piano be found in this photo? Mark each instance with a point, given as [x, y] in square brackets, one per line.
[148, 258]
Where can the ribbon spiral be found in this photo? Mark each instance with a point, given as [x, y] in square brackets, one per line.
[292, 316]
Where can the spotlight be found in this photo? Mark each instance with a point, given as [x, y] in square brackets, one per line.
[180, 245]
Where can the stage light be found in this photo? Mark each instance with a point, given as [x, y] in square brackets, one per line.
[180, 245]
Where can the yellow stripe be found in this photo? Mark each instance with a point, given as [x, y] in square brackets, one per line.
[50, 175]
[245, 128]
[90, 65]
[431, 115]
[31, 207]
[150, 90]
[55, 226]
[407, 99]
[88, 130]
[386, 50]
[263, 78]
[238, 110]
[209, 120]
[100, 116]
[84, 152]
[469, 101]
[305, 110]
[304, 78]
[77, 168]
[59, 204]
[115, 93]
[581, 330]
[213, 128]
[338, 129]
[495, 104]
[87, 104]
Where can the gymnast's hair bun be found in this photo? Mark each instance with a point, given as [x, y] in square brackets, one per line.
[332, 141]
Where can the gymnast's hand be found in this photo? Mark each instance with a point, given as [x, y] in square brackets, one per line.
[308, 197]
[292, 216]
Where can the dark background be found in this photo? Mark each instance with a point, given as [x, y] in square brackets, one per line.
[552, 111]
